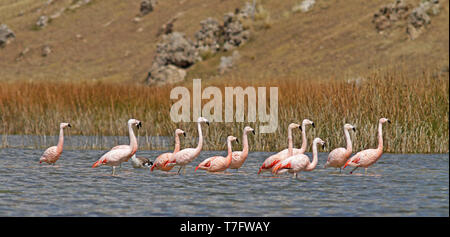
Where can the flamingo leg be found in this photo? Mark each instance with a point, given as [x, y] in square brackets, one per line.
[184, 170]
[365, 171]
[354, 170]
[179, 169]
[113, 170]
[340, 170]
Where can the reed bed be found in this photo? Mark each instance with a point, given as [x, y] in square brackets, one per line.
[418, 108]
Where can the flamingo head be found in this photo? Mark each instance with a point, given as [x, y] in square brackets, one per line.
[201, 119]
[383, 120]
[308, 122]
[135, 122]
[319, 141]
[294, 125]
[179, 131]
[231, 138]
[249, 129]
[63, 125]
[348, 126]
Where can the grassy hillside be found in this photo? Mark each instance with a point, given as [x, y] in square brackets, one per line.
[100, 40]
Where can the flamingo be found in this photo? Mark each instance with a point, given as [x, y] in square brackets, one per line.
[52, 154]
[163, 159]
[218, 163]
[140, 162]
[187, 155]
[302, 149]
[121, 153]
[274, 159]
[368, 157]
[239, 157]
[339, 156]
[300, 162]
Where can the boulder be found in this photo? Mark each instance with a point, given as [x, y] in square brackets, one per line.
[146, 7]
[42, 21]
[6, 35]
[175, 49]
[46, 50]
[420, 18]
[234, 32]
[387, 15]
[165, 75]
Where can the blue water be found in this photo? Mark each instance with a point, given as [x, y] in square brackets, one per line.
[397, 185]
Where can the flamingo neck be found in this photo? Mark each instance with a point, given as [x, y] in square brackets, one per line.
[229, 156]
[380, 138]
[303, 148]
[348, 141]
[133, 141]
[177, 144]
[312, 165]
[200, 139]
[244, 145]
[290, 142]
[60, 145]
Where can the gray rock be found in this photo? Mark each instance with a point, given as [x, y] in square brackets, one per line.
[419, 18]
[165, 75]
[234, 32]
[42, 21]
[46, 50]
[209, 36]
[387, 15]
[175, 49]
[6, 35]
[146, 7]
[227, 63]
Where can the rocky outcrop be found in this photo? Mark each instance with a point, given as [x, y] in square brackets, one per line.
[234, 32]
[177, 50]
[165, 74]
[416, 18]
[6, 35]
[174, 52]
[389, 14]
[146, 7]
[420, 17]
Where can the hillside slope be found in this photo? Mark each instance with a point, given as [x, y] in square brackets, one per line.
[100, 40]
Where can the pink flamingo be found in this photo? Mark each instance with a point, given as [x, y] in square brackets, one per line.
[272, 160]
[300, 162]
[161, 161]
[52, 154]
[368, 157]
[187, 155]
[239, 157]
[339, 156]
[218, 163]
[302, 149]
[121, 153]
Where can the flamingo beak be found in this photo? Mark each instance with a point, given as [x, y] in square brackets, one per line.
[323, 145]
[300, 127]
[389, 121]
[184, 134]
[237, 140]
[354, 129]
[313, 125]
[207, 123]
[68, 125]
[253, 131]
[139, 125]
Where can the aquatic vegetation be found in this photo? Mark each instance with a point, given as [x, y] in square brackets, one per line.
[418, 108]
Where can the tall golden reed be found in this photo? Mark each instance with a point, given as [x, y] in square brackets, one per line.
[418, 109]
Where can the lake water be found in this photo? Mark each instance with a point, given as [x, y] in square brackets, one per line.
[397, 185]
